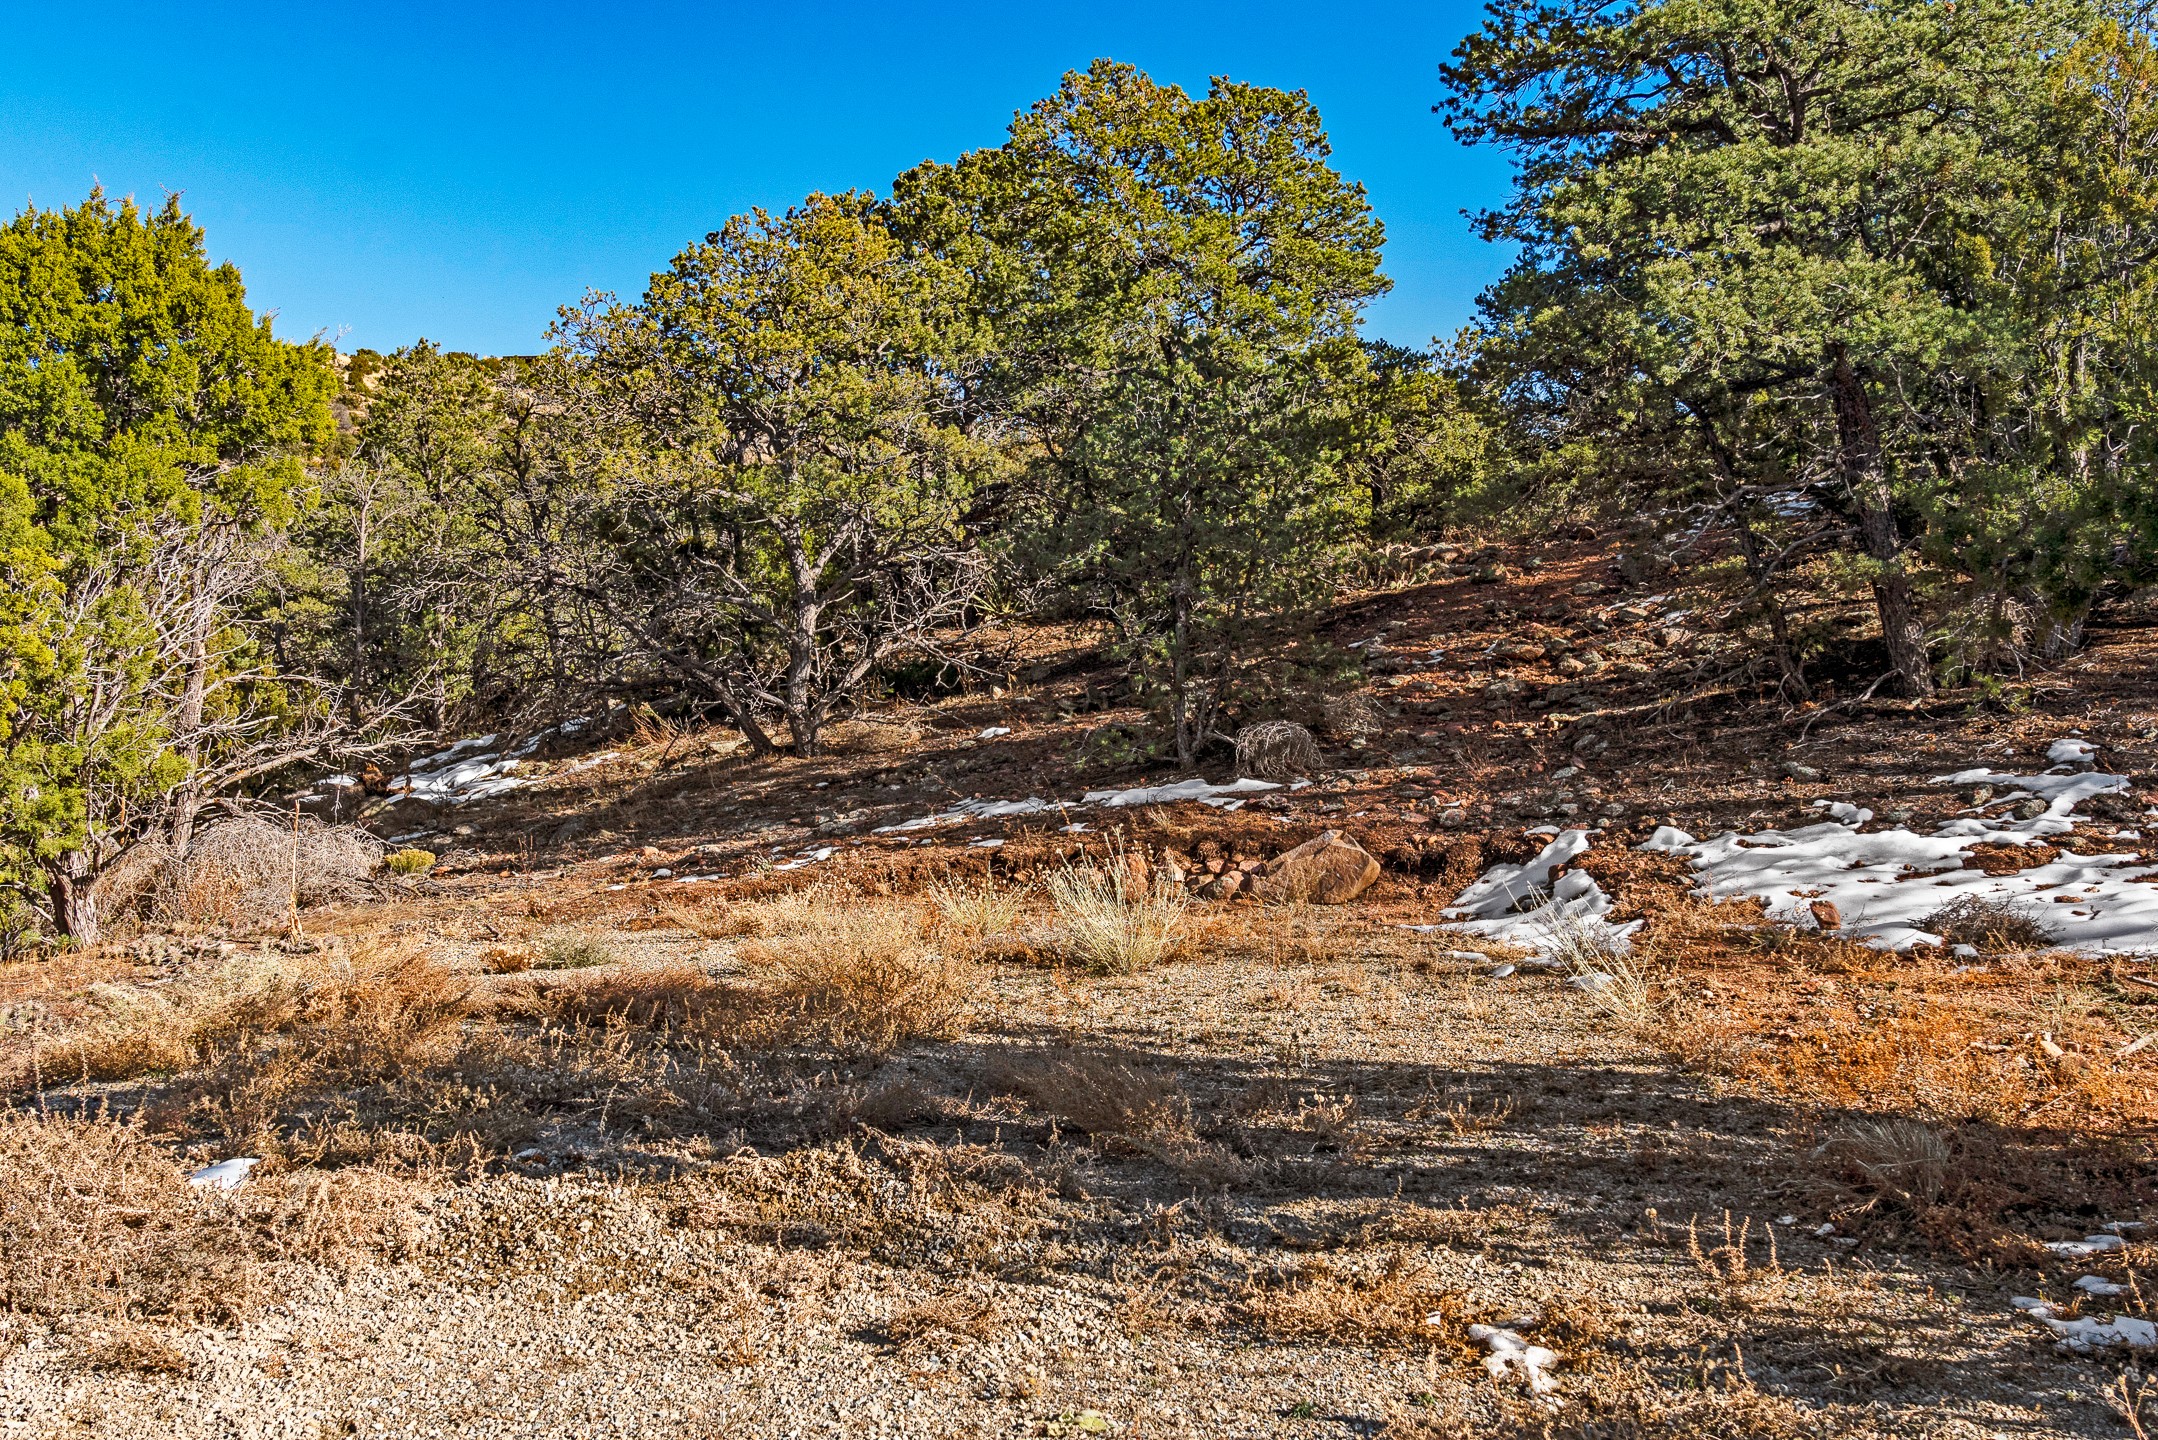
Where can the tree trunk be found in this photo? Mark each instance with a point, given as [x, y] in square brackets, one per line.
[1866, 475]
[70, 884]
[1794, 674]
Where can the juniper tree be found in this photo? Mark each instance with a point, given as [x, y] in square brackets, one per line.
[150, 425]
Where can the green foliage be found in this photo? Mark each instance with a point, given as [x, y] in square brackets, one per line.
[785, 505]
[1177, 284]
[150, 427]
[1831, 268]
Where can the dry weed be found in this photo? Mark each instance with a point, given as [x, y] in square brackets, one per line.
[100, 1221]
[1396, 1303]
[1634, 1407]
[1990, 926]
[859, 978]
[1112, 924]
[945, 1320]
[383, 1011]
[975, 909]
[135, 1348]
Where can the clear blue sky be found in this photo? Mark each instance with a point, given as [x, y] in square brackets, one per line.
[382, 172]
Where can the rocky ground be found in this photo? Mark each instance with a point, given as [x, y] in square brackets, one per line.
[559, 1140]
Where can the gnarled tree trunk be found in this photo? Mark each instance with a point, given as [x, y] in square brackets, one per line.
[1866, 474]
[71, 884]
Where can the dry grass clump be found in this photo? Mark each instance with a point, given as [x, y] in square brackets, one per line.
[860, 978]
[976, 909]
[574, 949]
[1989, 926]
[245, 872]
[1908, 1159]
[1397, 1304]
[1602, 968]
[1113, 923]
[1105, 1094]
[1120, 1102]
[98, 1220]
[310, 1020]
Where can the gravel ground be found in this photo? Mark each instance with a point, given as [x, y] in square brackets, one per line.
[980, 1274]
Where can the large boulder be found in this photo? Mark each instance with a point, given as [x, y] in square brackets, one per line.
[1324, 870]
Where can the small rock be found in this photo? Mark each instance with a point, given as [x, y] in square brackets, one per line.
[1805, 774]
[1826, 915]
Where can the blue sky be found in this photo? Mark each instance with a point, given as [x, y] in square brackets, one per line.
[382, 172]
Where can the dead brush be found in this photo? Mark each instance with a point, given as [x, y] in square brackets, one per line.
[98, 1221]
[1112, 923]
[1906, 1159]
[860, 979]
[1633, 1406]
[1395, 1304]
[943, 1322]
[1104, 1094]
[975, 909]
[1991, 927]
[1729, 1263]
[135, 1348]
[383, 1011]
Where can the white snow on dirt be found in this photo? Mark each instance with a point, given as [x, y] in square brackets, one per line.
[1228, 797]
[1884, 884]
[2086, 1334]
[467, 771]
[972, 810]
[1512, 1356]
[1523, 905]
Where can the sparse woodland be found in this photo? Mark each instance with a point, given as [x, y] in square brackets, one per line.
[1809, 428]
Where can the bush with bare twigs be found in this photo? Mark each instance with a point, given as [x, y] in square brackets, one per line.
[1277, 750]
[245, 871]
[1990, 926]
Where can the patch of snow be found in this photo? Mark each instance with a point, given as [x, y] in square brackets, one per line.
[589, 761]
[339, 782]
[1227, 797]
[990, 842]
[1844, 813]
[2099, 1285]
[1512, 1356]
[1523, 905]
[2085, 1334]
[808, 857]
[2071, 752]
[2088, 1245]
[995, 732]
[225, 1174]
[971, 810]
[1885, 883]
